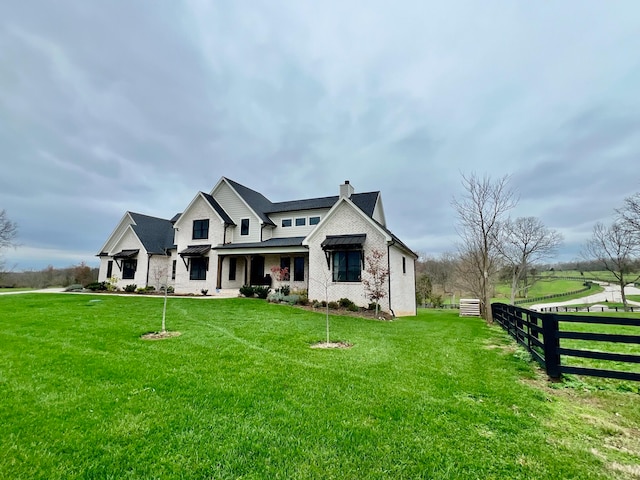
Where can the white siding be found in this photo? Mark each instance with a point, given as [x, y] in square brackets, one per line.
[403, 293]
[294, 231]
[345, 220]
[199, 210]
[237, 210]
[129, 241]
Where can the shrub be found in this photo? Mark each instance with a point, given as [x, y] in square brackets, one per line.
[131, 287]
[141, 290]
[261, 291]
[323, 303]
[372, 306]
[247, 291]
[150, 288]
[353, 308]
[204, 292]
[303, 300]
[345, 303]
[316, 304]
[275, 297]
[96, 286]
[284, 290]
[333, 305]
[291, 299]
[170, 289]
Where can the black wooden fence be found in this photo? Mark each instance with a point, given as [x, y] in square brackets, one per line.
[541, 335]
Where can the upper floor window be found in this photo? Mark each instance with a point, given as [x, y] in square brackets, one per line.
[200, 229]
[244, 226]
[404, 264]
[314, 220]
[301, 222]
[286, 222]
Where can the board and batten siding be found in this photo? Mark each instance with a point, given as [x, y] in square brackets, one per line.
[235, 207]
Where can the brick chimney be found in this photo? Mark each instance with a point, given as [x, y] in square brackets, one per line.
[346, 190]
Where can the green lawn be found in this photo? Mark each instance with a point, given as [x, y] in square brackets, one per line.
[240, 394]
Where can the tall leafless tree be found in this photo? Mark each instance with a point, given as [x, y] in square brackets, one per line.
[616, 248]
[525, 241]
[481, 213]
[629, 213]
[8, 233]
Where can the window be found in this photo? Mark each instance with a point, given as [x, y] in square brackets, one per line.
[233, 264]
[109, 269]
[129, 269]
[404, 265]
[298, 269]
[200, 229]
[199, 267]
[244, 226]
[314, 220]
[173, 269]
[301, 222]
[347, 266]
[285, 262]
[286, 222]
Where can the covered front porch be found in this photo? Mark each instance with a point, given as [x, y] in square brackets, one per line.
[259, 263]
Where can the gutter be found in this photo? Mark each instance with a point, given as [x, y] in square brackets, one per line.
[389, 276]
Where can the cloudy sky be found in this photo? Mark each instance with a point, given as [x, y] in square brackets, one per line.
[137, 105]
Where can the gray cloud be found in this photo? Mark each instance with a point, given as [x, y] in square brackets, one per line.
[107, 107]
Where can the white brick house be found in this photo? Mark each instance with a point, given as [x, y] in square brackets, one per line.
[233, 236]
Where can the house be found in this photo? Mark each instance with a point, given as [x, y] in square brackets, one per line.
[234, 236]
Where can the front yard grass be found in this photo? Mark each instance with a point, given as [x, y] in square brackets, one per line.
[240, 394]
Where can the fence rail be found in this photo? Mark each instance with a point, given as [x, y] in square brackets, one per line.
[541, 335]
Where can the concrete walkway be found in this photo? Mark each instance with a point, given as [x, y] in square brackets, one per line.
[611, 294]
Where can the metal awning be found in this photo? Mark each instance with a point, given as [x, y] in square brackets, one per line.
[344, 242]
[126, 254]
[195, 251]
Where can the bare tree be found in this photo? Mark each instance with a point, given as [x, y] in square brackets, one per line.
[376, 274]
[525, 241]
[616, 248]
[481, 212]
[629, 214]
[8, 233]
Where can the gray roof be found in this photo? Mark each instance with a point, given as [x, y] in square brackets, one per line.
[156, 234]
[258, 202]
[272, 242]
[365, 201]
[216, 206]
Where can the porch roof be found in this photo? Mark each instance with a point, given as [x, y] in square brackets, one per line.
[271, 244]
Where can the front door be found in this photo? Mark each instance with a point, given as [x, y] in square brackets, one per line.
[257, 270]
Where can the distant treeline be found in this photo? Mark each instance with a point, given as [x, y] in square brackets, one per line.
[50, 277]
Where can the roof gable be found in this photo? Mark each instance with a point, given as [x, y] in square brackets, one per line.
[155, 234]
[254, 200]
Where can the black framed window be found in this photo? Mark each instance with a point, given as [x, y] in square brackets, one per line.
[174, 264]
[404, 264]
[109, 269]
[301, 222]
[298, 269]
[198, 270]
[314, 220]
[129, 269]
[233, 265]
[285, 262]
[347, 266]
[244, 226]
[286, 222]
[200, 229]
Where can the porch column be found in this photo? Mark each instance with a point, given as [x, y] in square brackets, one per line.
[219, 276]
[247, 269]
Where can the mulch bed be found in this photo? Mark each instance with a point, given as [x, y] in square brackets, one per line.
[159, 335]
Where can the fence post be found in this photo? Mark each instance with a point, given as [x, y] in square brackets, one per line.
[551, 345]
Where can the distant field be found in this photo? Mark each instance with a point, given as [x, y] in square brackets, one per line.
[548, 286]
[240, 394]
[599, 275]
